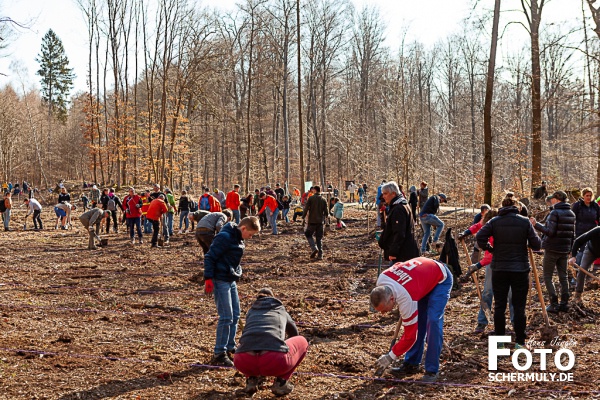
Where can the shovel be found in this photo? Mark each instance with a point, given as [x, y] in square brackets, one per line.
[587, 273]
[549, 332]
[484, 306]
[381, 370]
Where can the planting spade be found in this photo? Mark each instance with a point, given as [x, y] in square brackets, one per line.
[548, 332]
[484, 306]
[381, 370]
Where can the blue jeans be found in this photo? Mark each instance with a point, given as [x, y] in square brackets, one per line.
[427, 221]
[147, 225]
[360, 198]
[273, 220]
[236, 216]
[431, 324]
[487, 296]
[168, 225]
[134, 223]
[183, 216]
[6, 217]
[284, 214]
[228, 308]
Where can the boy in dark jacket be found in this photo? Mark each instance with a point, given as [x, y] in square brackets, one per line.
[221, 272]
[559, 233]
[263, 350]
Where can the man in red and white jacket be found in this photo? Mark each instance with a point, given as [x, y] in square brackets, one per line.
[418, 286]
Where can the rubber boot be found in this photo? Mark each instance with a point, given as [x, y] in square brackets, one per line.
[553, 307]
[564, 303]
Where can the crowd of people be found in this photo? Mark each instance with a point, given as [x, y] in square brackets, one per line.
[270, 344]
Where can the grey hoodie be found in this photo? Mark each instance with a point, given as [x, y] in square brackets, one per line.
[267, 322]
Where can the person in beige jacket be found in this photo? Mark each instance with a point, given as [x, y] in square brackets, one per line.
[90, 218]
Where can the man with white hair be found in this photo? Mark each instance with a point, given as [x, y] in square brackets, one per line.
[398, 238]
[421, 288]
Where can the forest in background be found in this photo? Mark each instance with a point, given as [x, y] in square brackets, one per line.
[184, 96]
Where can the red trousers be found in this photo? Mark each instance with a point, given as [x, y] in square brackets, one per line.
[273, 363]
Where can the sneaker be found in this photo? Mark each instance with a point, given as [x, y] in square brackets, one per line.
[222, 359]
[141, 241]
[251, 385]
[480, 328]
[281, 387]
[406, 369]
[180, 232]
[314, 254]
[156, 246]
[429, 377]
[166, 242]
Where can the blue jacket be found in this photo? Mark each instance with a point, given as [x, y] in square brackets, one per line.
[222, 262]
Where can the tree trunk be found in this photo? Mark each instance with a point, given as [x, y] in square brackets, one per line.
[487, 112]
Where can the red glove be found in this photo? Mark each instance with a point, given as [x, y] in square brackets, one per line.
[208, 286]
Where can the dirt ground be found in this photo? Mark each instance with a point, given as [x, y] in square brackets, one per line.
[126, 322]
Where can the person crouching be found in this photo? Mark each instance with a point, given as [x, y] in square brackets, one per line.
[263, 350]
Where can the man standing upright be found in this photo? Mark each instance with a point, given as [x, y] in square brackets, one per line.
[316, 209]
[510, 267]
[398, 239]
[559, 234]
[233, 202]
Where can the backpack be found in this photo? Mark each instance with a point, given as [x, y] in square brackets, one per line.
[193, 206]
[204, 203]
[111, 206]
[2, 205]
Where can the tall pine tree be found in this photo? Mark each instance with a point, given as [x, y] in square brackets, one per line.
[57, 77]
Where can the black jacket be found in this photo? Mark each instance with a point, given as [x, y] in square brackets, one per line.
[184, 204]
[559, 230]
[512, 234]
[398, 238]
[591, 238]
[586, 217]
[431, 206]
[64, 197]
[267, 322]
[450, 257]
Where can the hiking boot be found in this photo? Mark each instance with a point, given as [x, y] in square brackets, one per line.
[281, 387]
[429, 377]
[314, 254]
[251, 385]
[230, 353]
[553, 307]
[563, 306]
[222, 359]
[480, 328]
[406, 369]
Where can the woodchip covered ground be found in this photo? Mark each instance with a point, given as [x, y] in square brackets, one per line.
[127, 323]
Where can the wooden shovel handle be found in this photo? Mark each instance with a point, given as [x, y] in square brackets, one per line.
[538, 287]
[587, 273]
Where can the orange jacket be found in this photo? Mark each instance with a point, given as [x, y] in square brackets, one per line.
[270, 202]
[156, 209]
[232, 201]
